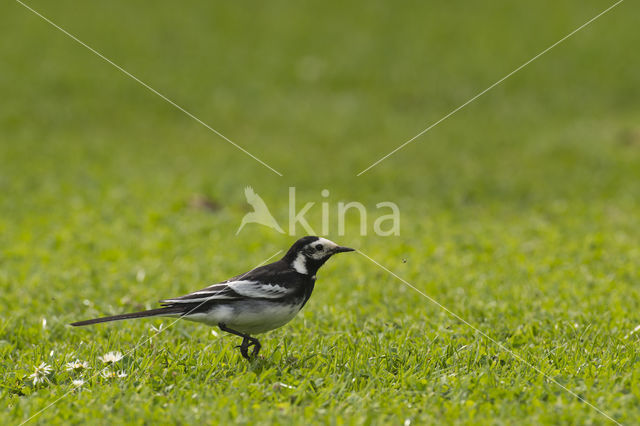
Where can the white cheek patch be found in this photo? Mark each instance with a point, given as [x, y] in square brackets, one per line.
[319, 255]
[327, 247]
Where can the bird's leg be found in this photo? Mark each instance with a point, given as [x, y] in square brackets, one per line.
[247, 341]
[243, 348]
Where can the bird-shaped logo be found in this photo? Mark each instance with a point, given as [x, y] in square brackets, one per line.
[260, 213]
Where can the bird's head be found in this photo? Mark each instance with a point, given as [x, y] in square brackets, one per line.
[308, 254]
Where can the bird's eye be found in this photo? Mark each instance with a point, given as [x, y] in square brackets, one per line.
[319, 247]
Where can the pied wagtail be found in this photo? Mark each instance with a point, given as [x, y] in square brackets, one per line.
[257, 301]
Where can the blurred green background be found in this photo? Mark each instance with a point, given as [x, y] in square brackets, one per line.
[520, 212]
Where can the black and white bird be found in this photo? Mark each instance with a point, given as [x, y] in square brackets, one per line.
[257, 301]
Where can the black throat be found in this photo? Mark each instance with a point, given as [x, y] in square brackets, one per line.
[313, 265]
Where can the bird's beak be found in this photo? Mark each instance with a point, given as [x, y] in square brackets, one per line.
[341, 249]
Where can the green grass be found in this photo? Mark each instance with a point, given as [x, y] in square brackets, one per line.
[520, 213]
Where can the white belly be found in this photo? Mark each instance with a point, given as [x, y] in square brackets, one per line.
[248, 317]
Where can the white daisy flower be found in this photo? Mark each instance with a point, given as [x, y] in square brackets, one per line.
[77, 365]
[109, 374]
[77, 383]
[40, 374]
[111, 357]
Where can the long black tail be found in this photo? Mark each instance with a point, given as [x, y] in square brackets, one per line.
[143, 314]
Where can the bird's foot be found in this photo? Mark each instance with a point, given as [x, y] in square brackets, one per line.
[247, 342]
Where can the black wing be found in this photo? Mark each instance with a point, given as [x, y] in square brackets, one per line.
[265, 282]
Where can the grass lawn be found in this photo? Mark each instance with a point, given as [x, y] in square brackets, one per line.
[520, 213]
